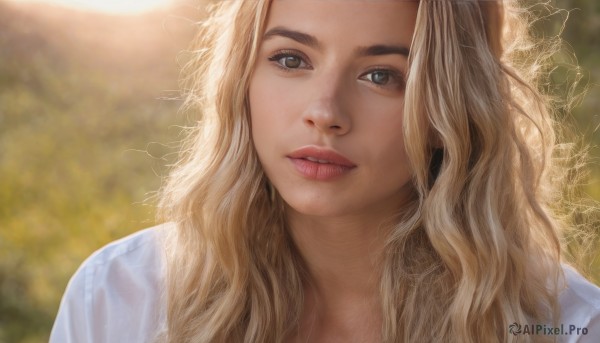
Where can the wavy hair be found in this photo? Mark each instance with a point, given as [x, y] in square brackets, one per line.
[476, 250]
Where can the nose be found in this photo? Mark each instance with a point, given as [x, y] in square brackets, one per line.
[326, 110]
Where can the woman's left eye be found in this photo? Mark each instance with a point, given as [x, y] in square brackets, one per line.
[383, 77]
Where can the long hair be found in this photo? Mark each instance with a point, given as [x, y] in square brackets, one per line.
[476, 250]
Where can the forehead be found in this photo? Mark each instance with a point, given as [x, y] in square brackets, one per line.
[392, 21]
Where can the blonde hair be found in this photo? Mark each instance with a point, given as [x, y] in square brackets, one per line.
[477, 249]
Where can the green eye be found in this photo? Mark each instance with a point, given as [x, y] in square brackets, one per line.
[291, 62]
[380, 77]
[384, 78]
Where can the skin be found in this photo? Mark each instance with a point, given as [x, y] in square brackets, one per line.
[329, 95]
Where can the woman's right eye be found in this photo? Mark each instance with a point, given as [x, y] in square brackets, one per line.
[289, 61]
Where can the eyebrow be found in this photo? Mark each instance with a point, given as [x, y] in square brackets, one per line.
[378, 50]
[313, 42]
[302, 38]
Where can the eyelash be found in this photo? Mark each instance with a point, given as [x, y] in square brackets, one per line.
[397, 77]
[288, 53]
[394, 74]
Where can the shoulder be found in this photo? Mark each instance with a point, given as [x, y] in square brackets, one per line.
[136, 251]
[580, 308]
[116, 294]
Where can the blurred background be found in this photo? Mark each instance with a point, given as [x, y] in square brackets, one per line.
[89, 121]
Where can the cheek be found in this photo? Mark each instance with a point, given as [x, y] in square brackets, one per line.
[393, 136]
[274, 108]
[393, 150]
[260, 111]
[385, 140]
[268, 111]
[382, 128]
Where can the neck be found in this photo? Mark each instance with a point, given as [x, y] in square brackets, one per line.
[343, 257]
[343, 254]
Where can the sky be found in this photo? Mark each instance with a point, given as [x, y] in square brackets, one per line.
[110, 6]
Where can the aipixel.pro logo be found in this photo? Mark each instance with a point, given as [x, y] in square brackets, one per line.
[543, 329]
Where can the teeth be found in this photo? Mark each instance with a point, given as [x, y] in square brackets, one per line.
[316, 160]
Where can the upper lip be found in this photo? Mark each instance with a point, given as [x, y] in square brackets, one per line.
[323, 154]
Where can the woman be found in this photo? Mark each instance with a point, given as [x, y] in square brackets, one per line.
[364, 171]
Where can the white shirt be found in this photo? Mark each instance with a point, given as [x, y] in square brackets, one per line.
[117, 296]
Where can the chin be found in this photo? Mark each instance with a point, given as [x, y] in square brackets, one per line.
[314, 211]
[318, 206]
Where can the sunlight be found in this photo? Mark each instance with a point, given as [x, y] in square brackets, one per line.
[109, 6]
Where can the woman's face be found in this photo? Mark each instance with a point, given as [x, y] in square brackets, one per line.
[326, 101]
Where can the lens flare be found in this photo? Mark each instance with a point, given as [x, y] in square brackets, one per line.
[108, 6]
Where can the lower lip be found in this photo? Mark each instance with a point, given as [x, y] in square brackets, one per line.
[319, 171]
